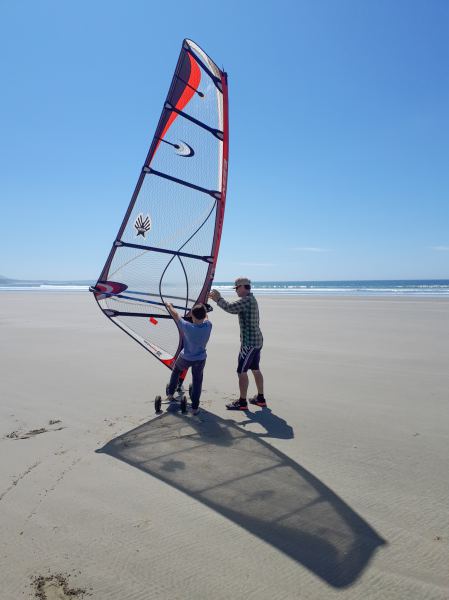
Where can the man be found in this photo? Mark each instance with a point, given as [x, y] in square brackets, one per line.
[251, 341]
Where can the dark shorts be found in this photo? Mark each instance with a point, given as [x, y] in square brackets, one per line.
[249, 358]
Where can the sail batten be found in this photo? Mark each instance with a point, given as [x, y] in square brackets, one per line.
[151, 171]
[167, 245]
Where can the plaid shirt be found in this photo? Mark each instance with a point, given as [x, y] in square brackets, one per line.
[248, 311]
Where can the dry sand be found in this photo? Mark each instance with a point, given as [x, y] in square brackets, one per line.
[340, 489]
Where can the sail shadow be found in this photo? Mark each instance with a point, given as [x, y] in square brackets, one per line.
[257, 487]
[275, 427]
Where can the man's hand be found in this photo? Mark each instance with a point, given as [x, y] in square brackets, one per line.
[215, 295]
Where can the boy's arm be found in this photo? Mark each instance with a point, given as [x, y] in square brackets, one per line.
[172, 311]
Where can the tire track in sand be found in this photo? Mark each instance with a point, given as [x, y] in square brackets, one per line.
[19, 478]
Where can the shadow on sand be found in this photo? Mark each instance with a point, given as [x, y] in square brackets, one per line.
[274, 426]
[242, 477]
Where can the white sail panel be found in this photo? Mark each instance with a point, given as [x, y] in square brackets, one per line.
[167, 246]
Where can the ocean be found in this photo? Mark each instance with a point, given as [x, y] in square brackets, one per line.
[399, 287]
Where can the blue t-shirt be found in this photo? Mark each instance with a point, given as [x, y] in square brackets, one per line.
[195, 337]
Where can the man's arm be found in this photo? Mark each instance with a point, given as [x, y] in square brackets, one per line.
[231, 307]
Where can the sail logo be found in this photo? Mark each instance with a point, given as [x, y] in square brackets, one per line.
[142, 225]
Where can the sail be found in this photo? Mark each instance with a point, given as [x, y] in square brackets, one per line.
[167, 246]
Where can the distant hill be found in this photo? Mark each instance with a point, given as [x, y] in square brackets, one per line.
[5, 280]
[36, 282]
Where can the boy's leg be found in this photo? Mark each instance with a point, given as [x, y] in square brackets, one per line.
[197, 382]
[178, 368]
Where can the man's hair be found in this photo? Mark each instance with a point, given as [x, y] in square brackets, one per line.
[247, 287]
[199, 311]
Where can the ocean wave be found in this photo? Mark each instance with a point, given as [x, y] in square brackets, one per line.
[44, 288]
[344, 288]
[344, 291]
[64, 287]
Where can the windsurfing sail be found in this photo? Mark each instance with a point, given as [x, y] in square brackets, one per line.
[167, 246]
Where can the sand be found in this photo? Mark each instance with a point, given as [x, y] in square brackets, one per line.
[339, 489]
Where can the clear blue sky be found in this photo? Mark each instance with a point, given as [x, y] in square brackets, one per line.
[339, 131]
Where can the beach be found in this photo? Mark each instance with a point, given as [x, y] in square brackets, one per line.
[339, 489]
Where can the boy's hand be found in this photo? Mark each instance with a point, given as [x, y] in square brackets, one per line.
[172, 311]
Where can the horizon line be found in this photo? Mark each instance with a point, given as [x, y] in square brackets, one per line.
[91, 281]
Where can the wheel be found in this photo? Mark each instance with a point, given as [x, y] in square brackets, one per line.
[158, 404]
[184, 405]
[190, 391]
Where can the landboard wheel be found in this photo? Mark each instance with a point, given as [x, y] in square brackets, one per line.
[158, 404]
[190, 391]
[184, 405]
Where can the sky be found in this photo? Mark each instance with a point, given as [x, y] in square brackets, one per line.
[339, 132]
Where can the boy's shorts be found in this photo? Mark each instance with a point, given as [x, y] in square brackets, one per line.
[249, 358]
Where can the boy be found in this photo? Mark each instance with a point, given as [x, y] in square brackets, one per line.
[195, 336]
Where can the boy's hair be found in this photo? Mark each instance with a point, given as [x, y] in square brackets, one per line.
[199, 311]
[247, 287]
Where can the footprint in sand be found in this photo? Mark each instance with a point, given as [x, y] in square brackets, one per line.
[18, 435]
[55, 587]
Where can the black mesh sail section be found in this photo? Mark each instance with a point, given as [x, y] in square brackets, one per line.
[166, 247]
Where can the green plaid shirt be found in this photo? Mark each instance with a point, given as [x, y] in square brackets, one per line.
[248, 311]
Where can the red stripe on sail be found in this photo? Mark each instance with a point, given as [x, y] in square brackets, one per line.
[186, 96]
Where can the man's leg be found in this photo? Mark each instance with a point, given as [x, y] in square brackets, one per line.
[242, 367]
[241, 403]
[243, 385]
[258, 400]
[258, 378]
